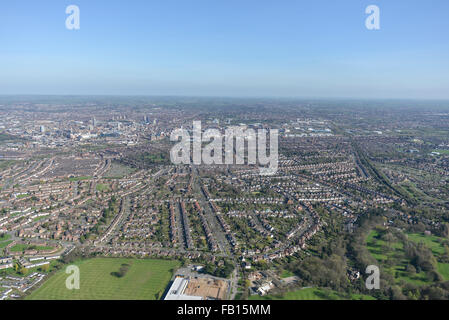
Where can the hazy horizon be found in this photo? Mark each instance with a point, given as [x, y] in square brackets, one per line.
[306, 49]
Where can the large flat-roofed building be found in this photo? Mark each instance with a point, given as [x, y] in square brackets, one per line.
[197, 288]
[176, 291]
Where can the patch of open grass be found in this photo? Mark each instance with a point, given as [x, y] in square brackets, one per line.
[74, 179]
[385, 252]
[146, 279]
[102, 187]
[118, 171]
[432, 242]
[443, 269]
[312, 294]
[3, 244]
[4, 237]
[21, 247]
[287, 274]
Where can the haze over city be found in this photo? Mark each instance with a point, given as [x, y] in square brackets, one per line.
[223, 158]
[233, 48]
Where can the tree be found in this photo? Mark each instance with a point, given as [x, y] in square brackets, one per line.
[434, 276]
[444, 230]
[396, 293]
[24, 271]
[411, 270]
[45, 267]
[434, 293]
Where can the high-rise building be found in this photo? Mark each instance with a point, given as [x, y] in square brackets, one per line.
[146, 119]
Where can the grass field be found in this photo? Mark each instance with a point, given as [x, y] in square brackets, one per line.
[41, 218]
[74, 179]
[375, 246]
[146, 279]
[382, 252]
[102, 187]
[414, 192]
[118, 171]
[6, 163]
[3, 244]
[443, 269]
[4, 237]
[432, 242]
[21, 247]
[312, 294]
[286, 274]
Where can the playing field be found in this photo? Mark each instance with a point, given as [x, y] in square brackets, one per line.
[312, 294]
[145, 279]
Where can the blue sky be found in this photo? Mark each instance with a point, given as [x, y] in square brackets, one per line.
[226, 48]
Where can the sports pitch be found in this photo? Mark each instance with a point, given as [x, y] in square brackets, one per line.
[146, 279]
